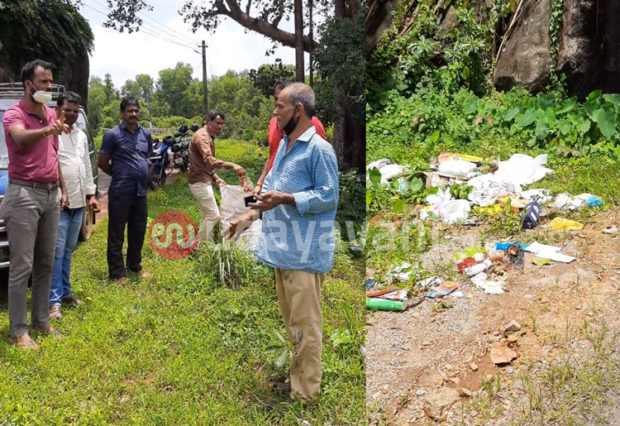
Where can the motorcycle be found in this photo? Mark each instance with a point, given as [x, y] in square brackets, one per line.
[159, 163]
[180, 151]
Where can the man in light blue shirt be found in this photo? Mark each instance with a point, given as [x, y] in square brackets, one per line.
[298, 207]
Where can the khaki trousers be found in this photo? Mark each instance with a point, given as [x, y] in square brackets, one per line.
[299, 296]
[210, 213]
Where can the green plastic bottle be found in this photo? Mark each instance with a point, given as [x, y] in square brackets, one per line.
[384, 305]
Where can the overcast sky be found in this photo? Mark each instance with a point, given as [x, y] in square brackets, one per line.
[147, 52]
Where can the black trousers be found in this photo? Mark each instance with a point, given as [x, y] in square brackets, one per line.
[130, 211]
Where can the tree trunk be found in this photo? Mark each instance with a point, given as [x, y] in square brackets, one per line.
[349, 131]
[299, 41]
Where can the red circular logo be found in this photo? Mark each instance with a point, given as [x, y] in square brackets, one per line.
[173, 234]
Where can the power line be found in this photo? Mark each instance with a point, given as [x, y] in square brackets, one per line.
[148, 31]
[168, 31]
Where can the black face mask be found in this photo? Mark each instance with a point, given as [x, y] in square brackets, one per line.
[291, 124]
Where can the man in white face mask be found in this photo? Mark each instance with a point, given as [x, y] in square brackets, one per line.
[32, 202]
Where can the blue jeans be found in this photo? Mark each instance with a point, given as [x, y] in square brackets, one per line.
[68, 233]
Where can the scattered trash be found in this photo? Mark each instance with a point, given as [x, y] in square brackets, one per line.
[489, 287]
[539, 261]
[504, 246]
[502, 354]
[516, 205]
[428, 282]
[478, 268]
[370, 283]
[384, 305]
[594, 201]
[532, 211]
[458, 167]
[522, 169]
[497, 256]
[479, 257]
[512, 327]
[465, 263]
[404, 186]
[515, 254]
[469, 251]
[379, 293]
[610, 230]
[549, 252]
[455, 211]
[543, 196]
[399, 272]
[488, 188]
[457, 294]
[565, 201]
[387, 169]
[444, 289]
[563, 224]
[492, 210]
[446, 156]
[398, 295]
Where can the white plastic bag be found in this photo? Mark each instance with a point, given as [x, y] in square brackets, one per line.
[458, 167]
[521, 169]
[233, 206]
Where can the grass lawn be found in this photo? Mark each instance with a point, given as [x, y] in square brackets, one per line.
[180, 347]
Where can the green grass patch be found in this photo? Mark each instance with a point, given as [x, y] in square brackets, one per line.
[181, 347]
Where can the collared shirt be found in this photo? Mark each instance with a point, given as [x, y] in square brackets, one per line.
[76, 167]
[202, 161]
[301, 237]
[130, 155]
[275, 135]
[37, 162]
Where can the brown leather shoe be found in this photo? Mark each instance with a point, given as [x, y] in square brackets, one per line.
[55, 312]
[48, 331]
[143, 273]
[24, 342]
[120, 280]
[71, 300]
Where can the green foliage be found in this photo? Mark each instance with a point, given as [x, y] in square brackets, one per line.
[437, 121]
[429, 56]
[51, 30]
[266, 76]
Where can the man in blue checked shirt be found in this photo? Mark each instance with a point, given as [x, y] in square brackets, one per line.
[298, 208]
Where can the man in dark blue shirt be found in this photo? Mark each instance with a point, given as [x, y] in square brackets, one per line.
[124, 155]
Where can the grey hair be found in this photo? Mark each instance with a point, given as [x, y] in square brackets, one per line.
[303, 94]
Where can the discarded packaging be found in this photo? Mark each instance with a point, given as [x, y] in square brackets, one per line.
[387, 170]
[399, 272]
[563, 224]
[540, 261]
[565, 201]
[428, 282]
[497, 256]
[532, 211]
[504, 246]
[549, 252]
[370, 283]
[522, 169]
[516, 205]
[444, 289]
[489, 287]
[476, 269]
[515, 254]
[465, 263]
[384, 305]
[450, 156]
[398, 295]
[610, 230]
[458, 167]
[543, 196]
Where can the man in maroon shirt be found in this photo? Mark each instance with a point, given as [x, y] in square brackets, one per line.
[32, 202]
[275, 135]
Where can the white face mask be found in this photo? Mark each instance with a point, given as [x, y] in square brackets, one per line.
[42, 96]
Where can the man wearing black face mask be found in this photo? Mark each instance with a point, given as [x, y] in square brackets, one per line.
[275, 135]
[32, 202]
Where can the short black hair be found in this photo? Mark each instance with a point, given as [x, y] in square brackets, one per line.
[68, 97]
[281, 84]
[28, 69]
[129, 101]
[213, 115]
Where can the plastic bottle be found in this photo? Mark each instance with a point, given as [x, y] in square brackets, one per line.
[476, 269]
[384, 305]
